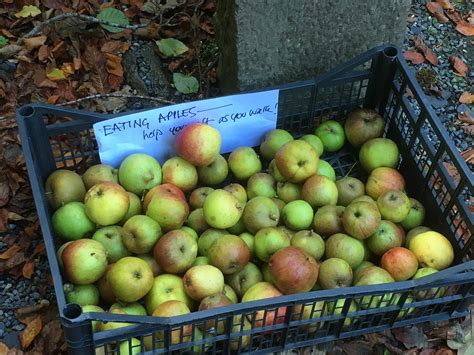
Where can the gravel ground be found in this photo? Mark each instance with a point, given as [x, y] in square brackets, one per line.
[444, 41]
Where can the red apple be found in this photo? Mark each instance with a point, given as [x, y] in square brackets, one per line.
[162, 190]
[293, 270]
[198, 143]
[363, 124]
[175, 251]
[263, 290]
[400, 262]
[384, 179]
[169, 211]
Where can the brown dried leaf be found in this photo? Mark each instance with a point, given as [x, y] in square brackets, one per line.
[411, 337]
[43, 53]
[445, 4]
[454, 16]
[114, 47]
[468, 155]
[414, 57]
[427, 52]
[24, 311]
[463, 27]
[3, 348]
[53, 99]
[7, 254]
[28, 269]
[114, 64]
[77, 63]
[4, 193]
[468, 129]
[465, 117]
[34, 42]
[3, 220]
[437, 11]
[459, 66]
[466, 98]
[33, 328]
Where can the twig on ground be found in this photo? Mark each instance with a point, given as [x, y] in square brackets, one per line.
[39, 28]
[123, 96]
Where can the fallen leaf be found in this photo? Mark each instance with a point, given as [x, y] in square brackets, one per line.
[4, 193]
[3, 41]
[427, 52]
[437, 11]
[115, 47]
[67, 69]
[43, 53]
[468, 129]
[411, 337]
[466, 117]
[459, 66]
[23, 311]
[33, 328]
[9, 51]
[53, 99]
[28, 269]
[113, 16]
[454, 16]
[3, 348]
[465, 28]
[77, 63]
[468, 155]
[445, 4]
[15, 217]
[28, 11]
[34, 42]
[7, 254]
[414, 57]
[56, 75]
[171, 47]
[3, 221]
[185, 84]
[466, 98]
[114, 64]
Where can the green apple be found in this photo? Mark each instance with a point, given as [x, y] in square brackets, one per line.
[394, 205]
[328, 220]
[173, 308]
[344, 247]
[273, 141]
[325, 169]
[70, 222]
[297, 160]
[260, 318]
[111, 238]
[191, 232]
[413, 232]
[244, 162]
[267, 276]
[273, 171]
[130, 279]
[98, 173]
[82, 295]
[130, 347]
[214, 173]
[379, 152]
[331, 134]
[106, 203]
[374, 275]
[140, 234]
[105, 291]
[104, 326]
[175, 251]
[335, 273]
[211, 302]
[249, 239]
[349, 188]
[230, 293]
[280, 204]
[288, 191]
[93, 309]
[358, 270]
[229, 254]
[203, 280]
[415, 217]
[363, 124]
[268, 241]
[310, 242]
[221, 209]
[297, 215]
[180, 173]
[166, 287]
[238, 191]
[361, 219]
[198, 196]
[170, 211]
[64, 186]
[238, 228]
[242, 280]
[168, 190]
[385, 237]
[424, 294]
[207, 238]
[155, 268]
[201, 260]
[139, 173]
[319, 191]
[133, 308]
[260, 212]
[134, 208]
[315, 142]
[197, 221]
[261, 184]
[84, 261]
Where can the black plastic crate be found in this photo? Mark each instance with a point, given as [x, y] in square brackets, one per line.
[55, 137]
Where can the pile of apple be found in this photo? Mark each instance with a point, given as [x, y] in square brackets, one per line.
[167, 240]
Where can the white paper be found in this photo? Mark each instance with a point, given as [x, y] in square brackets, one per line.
[242, 120]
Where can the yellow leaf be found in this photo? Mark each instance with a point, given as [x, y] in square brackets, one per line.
[27, 11]
[56, 75]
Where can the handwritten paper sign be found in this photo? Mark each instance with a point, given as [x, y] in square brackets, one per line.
[241, 119]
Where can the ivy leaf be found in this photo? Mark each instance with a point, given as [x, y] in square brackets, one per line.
[56, 75]
[114, 16]
[171, 47]
[27, 11]
[185, 84]
[3, 41]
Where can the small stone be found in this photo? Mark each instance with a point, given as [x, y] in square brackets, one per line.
[35, 295]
